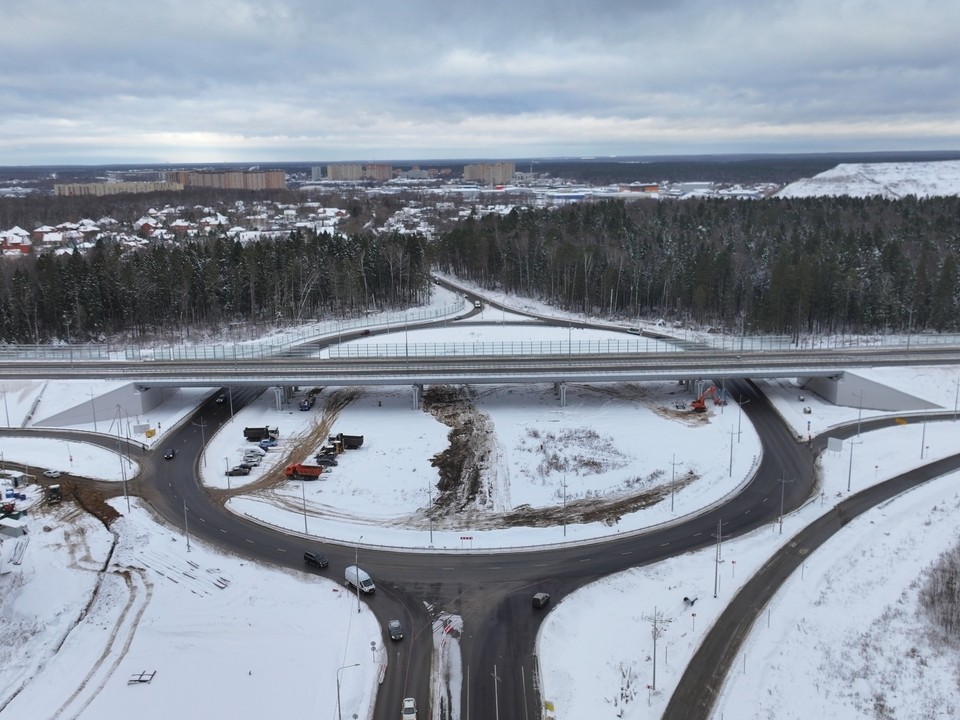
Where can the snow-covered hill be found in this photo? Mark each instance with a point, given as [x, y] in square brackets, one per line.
[891, 180]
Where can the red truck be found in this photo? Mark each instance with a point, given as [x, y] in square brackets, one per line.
[303, 472]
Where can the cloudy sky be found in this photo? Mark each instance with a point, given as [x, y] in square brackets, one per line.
[105, 81]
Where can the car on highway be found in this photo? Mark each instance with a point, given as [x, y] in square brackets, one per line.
[408, 709]
[635, 331]
[221, 399]
[238, 470]
[365, 333]
[318, 560]
[169, 454]
[51, 474]
[395, 629]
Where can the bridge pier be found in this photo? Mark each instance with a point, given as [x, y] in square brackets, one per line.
[417, 396]
[561, 389]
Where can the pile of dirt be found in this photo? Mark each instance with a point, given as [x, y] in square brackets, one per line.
[91, 496]
[460, 487]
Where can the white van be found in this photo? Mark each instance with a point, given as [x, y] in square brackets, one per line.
[358, 579]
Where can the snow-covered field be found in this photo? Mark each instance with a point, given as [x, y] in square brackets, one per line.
[161, 607]
[889, 180]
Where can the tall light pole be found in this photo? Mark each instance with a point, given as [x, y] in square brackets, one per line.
[859, 413]
[783, 485]
[303, 492]
[339, 670]
[564, 505]
[356, 566]
[186, 525]
[673, 480]
[851, 443]
[203, 441]
[740, 417]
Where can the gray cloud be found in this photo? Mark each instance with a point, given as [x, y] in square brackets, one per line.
[220, 80]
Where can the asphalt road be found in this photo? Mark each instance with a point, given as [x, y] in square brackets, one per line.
[492, 592]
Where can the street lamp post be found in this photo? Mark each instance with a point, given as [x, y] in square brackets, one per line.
[356, 566]
[339, 670]
[186, 525]
[783, 485]
[740, 417]
[203, 441]
[850, 466]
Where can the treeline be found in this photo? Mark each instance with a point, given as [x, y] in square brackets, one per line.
[207, 283]
[774, 266]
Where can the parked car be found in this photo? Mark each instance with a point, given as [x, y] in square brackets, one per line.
[409, 709]
[247, 466]
[316, 559]
[252, 460]
[268, 443]
[395, 629]
[169, 454]
[51, 474]
[254, 451]
[326, 460]
[238, 470]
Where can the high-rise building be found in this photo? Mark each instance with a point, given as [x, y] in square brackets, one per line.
[499, 173]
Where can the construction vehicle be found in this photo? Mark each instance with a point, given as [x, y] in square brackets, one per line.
[255, 434]
[350, 442]
[700, 404]
[53, 494]
[297, 471]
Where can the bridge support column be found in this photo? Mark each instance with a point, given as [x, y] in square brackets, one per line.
[561, 389]
[417, 396]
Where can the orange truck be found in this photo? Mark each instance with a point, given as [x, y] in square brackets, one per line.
[303, 472]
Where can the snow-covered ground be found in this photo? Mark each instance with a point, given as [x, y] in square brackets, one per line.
[160, 607]
[889, 180]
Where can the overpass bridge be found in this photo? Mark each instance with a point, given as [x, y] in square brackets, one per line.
[414, 369]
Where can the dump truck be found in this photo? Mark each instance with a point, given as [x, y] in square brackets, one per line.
[350, 442]
[255, 434]
[296, 471]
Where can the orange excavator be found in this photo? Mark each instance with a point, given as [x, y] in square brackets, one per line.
[700, 404]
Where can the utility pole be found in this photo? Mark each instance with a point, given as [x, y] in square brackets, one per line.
[673, 480]
[851, 443]
[732, 433]
[783, 485]
[716, 564]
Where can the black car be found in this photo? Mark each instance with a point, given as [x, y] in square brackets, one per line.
[169, 454]
[238, 470]
[395, 629]
[314, 558]
[325, 460]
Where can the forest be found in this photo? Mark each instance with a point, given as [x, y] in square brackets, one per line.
[817, 265]
[206, 284]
